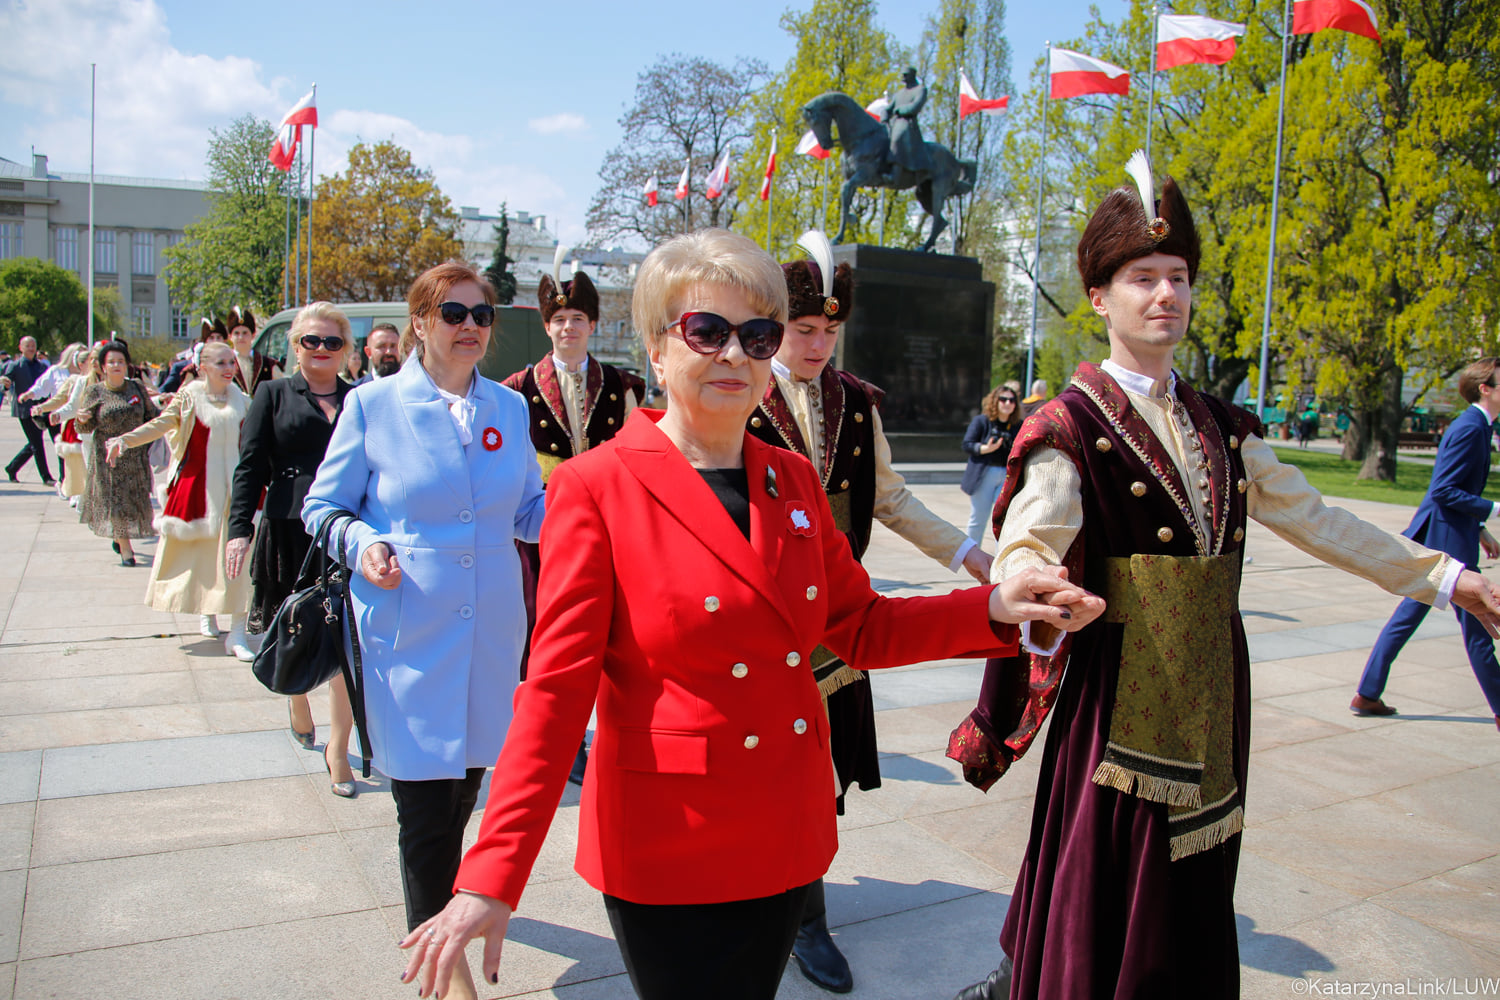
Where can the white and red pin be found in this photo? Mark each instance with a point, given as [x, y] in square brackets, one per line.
[491, 439]
[800, 519]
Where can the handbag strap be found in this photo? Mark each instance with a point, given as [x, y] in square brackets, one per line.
[353, 665]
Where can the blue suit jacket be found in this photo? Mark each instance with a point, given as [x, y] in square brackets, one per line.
[1454, 510]
[442, 650]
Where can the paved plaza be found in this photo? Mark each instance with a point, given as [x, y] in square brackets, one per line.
[161, 834]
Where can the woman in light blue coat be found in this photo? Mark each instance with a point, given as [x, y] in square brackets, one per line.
[438, 466]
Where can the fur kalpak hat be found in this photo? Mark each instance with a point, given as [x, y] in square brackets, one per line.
[207, 326]
[240, 316]
[1123, 229]
[815, 287]
[553, 293]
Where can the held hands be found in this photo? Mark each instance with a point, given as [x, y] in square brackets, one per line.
[378, 565]
[438, 943]
[234, 556]
[1480, 598]
[1045, 595]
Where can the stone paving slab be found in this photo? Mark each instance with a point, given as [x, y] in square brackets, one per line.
[167, 763]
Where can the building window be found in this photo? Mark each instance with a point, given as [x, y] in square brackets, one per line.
[104, 251]
[12, 240]
[179, 324]
[67, 249]
[140, 321]
[142, 253]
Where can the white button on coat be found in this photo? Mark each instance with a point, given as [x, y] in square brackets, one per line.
[751, 742]
[799, 727]
[812, 593]
[740, 670]
[711, 604]
[793, 658]
[466, 515]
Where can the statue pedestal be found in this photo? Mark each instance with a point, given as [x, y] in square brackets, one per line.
[921, 330]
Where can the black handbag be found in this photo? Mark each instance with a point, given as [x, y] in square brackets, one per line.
[304, 643]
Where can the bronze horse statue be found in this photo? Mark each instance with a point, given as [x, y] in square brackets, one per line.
[867, 160]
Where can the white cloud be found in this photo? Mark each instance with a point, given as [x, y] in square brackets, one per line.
[563, 121]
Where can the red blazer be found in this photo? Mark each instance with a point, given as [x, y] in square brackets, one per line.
[710, 778]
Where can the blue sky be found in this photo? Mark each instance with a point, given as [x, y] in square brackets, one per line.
[504, 101]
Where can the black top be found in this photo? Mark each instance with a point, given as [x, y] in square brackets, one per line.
[282, 442]
[981, 430]
[732, 487]
[23, 375]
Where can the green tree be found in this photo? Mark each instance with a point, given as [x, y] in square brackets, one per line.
[499, 272]
[687, 110]
[840, 47]
[39, 299]
[378, 225]
[236, 253]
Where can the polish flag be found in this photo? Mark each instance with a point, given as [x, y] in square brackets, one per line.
[1187, 38]
[765, 185]
[1356, 16]
[304, 112]
[808, 146]
[650, 191]
[284, 149]
[682, 182]
[719, 179]
[876, 108]
[969, 100]
[1075, 74]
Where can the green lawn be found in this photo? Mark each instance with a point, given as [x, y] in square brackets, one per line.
[1334, 477]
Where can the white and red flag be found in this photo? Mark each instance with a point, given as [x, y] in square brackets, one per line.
[1355, 16]
[719, 179]
[650, 191]
[1075, 74]
[876, 108]
[808, 146]
[682, 182]
[304, 112]
[765, 185]
[1188, 38]
[969, 100]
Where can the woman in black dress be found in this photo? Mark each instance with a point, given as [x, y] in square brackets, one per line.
[282, 443]
[116, 499]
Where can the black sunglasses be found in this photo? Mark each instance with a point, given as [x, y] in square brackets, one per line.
[1005, 399]
[310, 342]
[707, 333]
[454, 313]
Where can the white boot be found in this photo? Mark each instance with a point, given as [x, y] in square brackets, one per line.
[208, 627]
[237, 643]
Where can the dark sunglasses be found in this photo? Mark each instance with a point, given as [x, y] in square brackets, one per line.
[707, 333]
[312, 343]
[454, 313]
[1005, 399]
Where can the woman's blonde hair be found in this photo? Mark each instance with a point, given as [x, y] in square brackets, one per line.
[215, 347]
[316, 311]
[707, 257]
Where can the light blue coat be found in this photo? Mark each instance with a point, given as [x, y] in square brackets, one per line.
[442, 650]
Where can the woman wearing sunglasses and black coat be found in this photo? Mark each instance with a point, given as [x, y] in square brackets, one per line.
[705, 813]
[987, 442]
[283, 439]
[437, 464]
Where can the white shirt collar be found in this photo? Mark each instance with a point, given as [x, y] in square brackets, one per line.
[1141, 385]
[562, 368]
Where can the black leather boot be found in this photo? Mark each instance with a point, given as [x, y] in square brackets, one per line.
[995, 986]
[817, 956]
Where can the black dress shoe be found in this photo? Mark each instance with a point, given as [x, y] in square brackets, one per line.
[580, 764]
[12, 476]
[49, 482]
[995, 986]
[820, 959]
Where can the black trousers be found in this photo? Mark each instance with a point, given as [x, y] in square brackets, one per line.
[33, 449]
[728, 951]
[430, 818]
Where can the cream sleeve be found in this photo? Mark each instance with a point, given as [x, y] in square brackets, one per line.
[163, 423]
[1044, 516]
[1281, 499]
[903, 513]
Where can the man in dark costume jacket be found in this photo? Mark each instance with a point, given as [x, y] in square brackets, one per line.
[1141, 487]
[833, 419]
[576, 402]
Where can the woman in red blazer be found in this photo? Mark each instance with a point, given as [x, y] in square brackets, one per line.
[688, 570]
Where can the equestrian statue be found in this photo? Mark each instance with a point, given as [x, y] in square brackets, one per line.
[890, 153]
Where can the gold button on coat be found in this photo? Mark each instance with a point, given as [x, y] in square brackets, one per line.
[536, 399]
[711, 604]
[755, 421]
[751, 742]
[613, 398]
[554, 445]
[799, 727]
[844, 485]
[1203, 484]
[544, 423]
[856, 451]
[812, 593]
[1165, 534]
[859, 418]
[1242, 486]
[793, 658]
[1234, 442]
[610, 421]
[739, 670]
[1239, 534]
[1103, 444]
[1138, 488]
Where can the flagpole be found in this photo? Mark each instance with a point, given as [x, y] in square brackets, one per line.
[286, 255]
[312, 152]
[93, 98]
[958, 203]
[1151, 96]
[1265, 325]
[1036, 256]
[770, 196]
[297, 259]
[823, 225]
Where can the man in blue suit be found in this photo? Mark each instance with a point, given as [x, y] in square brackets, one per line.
[1450, 519]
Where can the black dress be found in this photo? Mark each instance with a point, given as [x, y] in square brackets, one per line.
[281, 445]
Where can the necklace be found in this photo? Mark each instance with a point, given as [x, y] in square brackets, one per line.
[323, 395]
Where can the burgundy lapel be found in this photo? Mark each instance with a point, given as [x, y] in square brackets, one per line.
[593, 385]
[833, 419]
[779, 413]
[549, 387]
